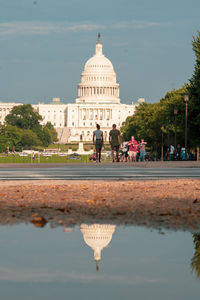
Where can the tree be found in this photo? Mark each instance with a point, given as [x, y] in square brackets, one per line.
[194, 93]
[174, 99]
[10, 136]
[52, 132]
[29, 138]
[47, 134]
[153, 119]
[24, 117]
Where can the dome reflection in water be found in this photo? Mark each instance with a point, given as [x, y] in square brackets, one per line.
[97, 236]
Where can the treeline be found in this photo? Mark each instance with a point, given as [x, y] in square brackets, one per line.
[22, 128]
[157, 122]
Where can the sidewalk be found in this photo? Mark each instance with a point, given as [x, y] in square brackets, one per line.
[148, 164]
[166, 164]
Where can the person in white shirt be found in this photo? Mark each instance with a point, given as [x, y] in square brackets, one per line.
[171, 152]
[98, 142]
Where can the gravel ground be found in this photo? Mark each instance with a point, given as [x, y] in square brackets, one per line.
[171, 204]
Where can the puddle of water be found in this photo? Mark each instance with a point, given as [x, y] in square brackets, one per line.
[133, 262]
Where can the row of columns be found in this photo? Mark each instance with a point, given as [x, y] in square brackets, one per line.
[98, 91]
[96, 114]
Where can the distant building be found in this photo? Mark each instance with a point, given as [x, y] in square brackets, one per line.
[5, 109]
[98, 102]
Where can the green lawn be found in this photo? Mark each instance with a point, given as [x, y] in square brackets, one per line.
[41, 159]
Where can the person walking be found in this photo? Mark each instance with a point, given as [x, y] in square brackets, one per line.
[133, 148]
[124, 150]
[142, 149]
[115, 140]
[98, 142]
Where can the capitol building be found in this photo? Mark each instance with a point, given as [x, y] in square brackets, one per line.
[98, 101]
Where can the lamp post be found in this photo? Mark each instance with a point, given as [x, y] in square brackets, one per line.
[162, 129]
[175, 115]
[186, 99]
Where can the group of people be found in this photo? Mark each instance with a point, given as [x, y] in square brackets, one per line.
[132, 150]
[178, 153]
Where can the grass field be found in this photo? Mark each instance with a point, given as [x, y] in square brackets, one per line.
[50, 159]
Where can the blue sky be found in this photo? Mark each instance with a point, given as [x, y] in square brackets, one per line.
[44, 45]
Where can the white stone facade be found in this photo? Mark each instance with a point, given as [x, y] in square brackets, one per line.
[5, 109]
[98, 102]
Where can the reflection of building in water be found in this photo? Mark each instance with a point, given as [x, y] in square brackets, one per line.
[97, 236]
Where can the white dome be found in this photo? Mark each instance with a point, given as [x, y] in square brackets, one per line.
[98, 80]
[98, 64]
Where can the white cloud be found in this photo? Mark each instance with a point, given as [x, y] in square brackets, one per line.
[135, 24]
[9, 29]
[85, 27]
[42, 28]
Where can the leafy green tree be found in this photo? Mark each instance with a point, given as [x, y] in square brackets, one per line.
[52, 132]
[194, 93]
[29, 138]
[153, 119]
[44, 136]
[47, 134]
[10, 136]
[24, 117]
[174, 100]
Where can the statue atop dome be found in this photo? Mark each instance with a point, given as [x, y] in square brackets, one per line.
[99, 38]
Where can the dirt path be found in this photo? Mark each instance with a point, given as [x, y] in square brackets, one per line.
[157, 203]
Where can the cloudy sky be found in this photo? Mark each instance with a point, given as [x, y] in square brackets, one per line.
[44, 45]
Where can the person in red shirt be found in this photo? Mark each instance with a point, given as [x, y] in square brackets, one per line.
[133, 148]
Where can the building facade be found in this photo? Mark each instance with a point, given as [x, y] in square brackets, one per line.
[98, 101]
[5, 109]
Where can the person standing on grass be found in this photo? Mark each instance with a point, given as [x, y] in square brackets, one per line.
[133, 149]
[98, 142]
[115, 140]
